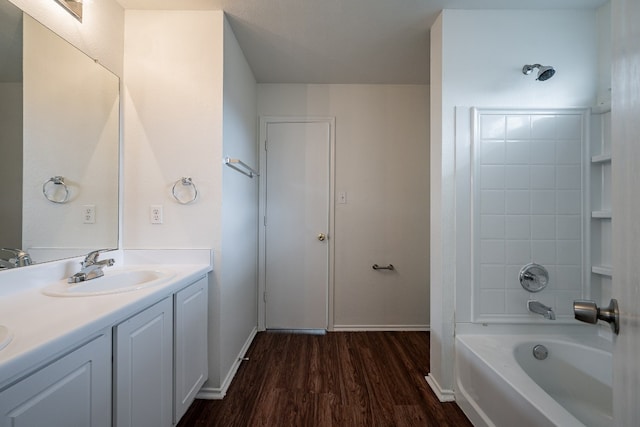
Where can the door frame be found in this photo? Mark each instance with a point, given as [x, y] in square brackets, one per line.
[262, 204]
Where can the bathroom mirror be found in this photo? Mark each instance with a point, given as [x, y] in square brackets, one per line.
[59, 117]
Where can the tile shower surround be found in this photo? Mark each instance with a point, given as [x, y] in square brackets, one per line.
[528, 207]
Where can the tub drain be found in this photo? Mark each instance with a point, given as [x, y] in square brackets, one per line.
[540, 352]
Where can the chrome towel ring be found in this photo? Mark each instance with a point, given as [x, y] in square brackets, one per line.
[53, 191]
[179, 193]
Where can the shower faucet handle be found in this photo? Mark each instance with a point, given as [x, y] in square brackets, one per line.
[587, 311]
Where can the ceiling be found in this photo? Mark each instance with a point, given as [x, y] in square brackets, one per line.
[341, 41]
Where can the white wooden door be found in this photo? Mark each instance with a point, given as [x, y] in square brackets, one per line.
[625, 111]
[190, 341]
[297, 225]
[143, 368]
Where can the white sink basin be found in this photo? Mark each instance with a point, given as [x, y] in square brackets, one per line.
[5, 336]
[113, 282]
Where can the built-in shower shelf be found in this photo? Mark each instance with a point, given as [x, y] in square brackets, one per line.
[603, 270]
[601, 214]
[601, 158]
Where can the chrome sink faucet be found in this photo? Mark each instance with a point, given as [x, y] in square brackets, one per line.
[91, 267]
[14, 258]
[539, 308]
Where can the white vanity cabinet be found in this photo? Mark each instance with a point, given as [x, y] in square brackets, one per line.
[160, 359]
[143, 368]
[190, 345]
[73, 391]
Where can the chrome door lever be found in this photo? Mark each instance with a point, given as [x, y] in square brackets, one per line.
[588, 312]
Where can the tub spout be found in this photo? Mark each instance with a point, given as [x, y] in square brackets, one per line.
[539, 308]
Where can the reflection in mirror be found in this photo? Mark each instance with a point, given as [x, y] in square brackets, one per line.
[59, 118]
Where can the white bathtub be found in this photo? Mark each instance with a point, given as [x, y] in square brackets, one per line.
[500, 383]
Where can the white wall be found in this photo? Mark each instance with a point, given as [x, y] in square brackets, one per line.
[382, 164]
[478, 59]
[100, 35]
[238, 288]
[178, 65]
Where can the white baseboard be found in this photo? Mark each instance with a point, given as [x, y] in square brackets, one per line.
[213, 393]
[373, 328]
[443, 395]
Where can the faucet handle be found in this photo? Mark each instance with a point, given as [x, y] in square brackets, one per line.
[92, 256]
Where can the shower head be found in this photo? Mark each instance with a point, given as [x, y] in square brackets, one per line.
[545, 72]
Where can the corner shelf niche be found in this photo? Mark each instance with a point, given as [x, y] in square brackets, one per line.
[601, 213]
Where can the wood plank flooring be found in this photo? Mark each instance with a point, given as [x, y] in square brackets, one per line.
[338, 379]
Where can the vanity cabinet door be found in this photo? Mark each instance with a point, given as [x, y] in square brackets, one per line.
[143, 368]
[74, 391]
[191, 363]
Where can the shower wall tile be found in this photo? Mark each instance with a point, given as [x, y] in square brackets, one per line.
[492, 126]
[569, 177]
[517, 202]
[569, 202]
[492, 227]
[518, 252]
[492, 276]
[515, 301]
[568, 152]
[518, 227]
[543, 127]
[569, 227]
[543, 252]
[517, 153]
[492, 177]
[492, 251]
[543, 202]
[569, 277]
[563, 304]
[567, 127]
[543, 227]
[529, 208]
[491, 202]
[569, 252]
[493, 153]
[543, 177]
[517, 177]
[518, 127]
[542, 153]
[492, 301]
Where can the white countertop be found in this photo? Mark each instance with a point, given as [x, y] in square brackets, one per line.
[45, 327]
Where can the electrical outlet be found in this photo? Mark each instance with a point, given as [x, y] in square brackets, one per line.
[155, 214]
[89, 214]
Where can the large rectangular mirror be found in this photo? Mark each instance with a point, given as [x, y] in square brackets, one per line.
[59, 133]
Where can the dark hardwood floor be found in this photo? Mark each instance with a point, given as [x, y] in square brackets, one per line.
[337, 379]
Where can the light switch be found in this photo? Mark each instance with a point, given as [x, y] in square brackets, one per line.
[342, 197]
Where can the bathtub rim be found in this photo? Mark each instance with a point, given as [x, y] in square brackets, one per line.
[513, 374]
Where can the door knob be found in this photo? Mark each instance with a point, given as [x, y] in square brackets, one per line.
[322, 237]
[588, 312]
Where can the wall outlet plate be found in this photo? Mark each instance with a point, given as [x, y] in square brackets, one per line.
[155, 214]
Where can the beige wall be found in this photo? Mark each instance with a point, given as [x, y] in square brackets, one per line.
[382, 163]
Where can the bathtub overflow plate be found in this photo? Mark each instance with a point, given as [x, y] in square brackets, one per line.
[533, 277]
[540, 352]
